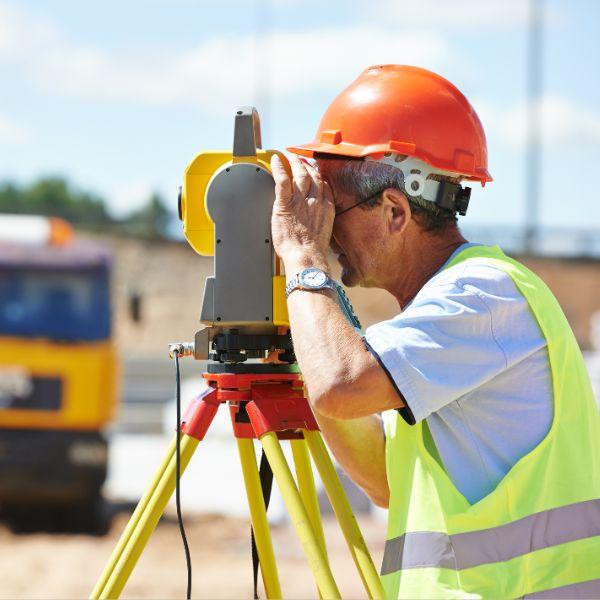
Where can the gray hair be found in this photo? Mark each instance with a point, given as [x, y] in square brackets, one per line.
[366, 178]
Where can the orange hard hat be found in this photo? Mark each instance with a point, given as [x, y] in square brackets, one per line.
[404, 110]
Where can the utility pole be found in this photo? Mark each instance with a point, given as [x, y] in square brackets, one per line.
[534, 147]
[262, 11]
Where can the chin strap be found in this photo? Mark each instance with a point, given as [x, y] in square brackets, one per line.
[417, 183]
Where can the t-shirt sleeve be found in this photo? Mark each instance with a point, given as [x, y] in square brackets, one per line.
[442, 346]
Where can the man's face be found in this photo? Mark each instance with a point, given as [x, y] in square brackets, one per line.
[360, 238]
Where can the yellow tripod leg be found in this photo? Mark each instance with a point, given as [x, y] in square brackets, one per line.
[300, 519]
[133, 521]
[308, 492]
[258, 516]
[343, 512]
[117, 577]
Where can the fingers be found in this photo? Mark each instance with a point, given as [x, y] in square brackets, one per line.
[320, 188]
[314, 174]
[302, 180]
[283, 185]
[307, 182]
[316, 183]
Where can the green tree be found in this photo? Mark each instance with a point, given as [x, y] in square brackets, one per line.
[151, 221]
[54, 196]
[11, 200]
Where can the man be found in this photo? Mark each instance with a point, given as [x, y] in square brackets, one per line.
[489, 460]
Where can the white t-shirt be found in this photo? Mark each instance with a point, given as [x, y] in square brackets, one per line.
[468, 356]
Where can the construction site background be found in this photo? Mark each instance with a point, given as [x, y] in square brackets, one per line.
[156, 289]
[167, 274]
[108, 102]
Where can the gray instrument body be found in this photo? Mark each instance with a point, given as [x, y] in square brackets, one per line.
[239, 200]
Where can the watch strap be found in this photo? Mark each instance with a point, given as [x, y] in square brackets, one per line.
[347, 307]
[295, 284]
[343, 300]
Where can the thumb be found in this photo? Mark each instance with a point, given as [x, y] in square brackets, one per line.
[283, 183]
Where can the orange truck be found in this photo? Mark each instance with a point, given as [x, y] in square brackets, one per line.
[58, 374]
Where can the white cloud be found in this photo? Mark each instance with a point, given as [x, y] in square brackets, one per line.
[215, 73]
[12, 132]
[22, 32]
[561, 121]
[123, 198]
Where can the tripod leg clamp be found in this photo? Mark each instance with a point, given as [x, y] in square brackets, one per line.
[200, 414]
[279, 409]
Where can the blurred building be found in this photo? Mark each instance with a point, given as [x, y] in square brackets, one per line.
[158, 290]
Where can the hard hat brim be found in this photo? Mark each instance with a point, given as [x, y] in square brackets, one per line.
[344, 149]
[341, 149]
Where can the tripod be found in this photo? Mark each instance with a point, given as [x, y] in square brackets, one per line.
[268, 404]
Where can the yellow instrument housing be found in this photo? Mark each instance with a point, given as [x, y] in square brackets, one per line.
[199, 228]
[89, 382]
[280, 310]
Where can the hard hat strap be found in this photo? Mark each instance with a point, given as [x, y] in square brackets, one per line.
[418, 184]
[453, 196]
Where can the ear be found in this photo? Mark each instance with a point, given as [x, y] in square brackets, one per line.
[397, 210]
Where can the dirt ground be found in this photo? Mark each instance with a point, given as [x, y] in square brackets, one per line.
[42, 565]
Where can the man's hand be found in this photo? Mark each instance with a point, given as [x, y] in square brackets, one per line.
[346, 386]
[303, 215]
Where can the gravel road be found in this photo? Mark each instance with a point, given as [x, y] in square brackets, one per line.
[42, 565]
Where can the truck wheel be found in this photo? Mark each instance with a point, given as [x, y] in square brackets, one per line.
[89, 516]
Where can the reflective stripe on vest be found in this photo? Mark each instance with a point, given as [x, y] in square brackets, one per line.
[418, 549]
[585, 589]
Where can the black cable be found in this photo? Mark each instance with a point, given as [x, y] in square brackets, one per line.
[188, 558]
[266, 484]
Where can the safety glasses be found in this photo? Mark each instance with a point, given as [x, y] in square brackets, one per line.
[371, 197]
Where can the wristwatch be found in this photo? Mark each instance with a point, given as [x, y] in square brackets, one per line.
[309, 279]
[316, 279]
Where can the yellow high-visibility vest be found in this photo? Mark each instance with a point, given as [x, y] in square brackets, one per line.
[537, 534]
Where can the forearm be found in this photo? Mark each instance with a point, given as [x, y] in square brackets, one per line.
[343, 379]
[330, 351]
[326, 345]
[359, 447]
[331, 355]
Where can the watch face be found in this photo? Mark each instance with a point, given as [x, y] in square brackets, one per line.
[313, 278]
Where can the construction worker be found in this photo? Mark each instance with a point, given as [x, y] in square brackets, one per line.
[469, 414]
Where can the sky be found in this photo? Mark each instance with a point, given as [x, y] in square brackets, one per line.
[119, 96]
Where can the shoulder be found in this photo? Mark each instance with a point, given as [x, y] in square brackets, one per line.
[474, 303]
[473, 275]
[471, 299]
